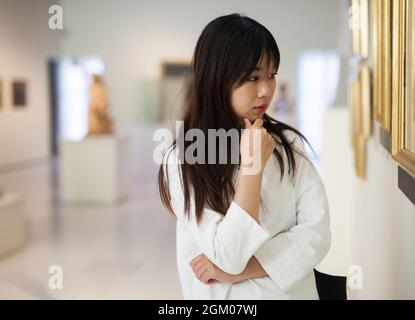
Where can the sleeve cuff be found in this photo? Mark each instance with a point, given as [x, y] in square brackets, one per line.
[257, 232]
[277, 277]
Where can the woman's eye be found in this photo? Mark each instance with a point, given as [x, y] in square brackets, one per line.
[256, 78]
[253, 78]
[272, 76]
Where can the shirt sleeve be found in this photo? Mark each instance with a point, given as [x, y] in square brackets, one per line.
[290, 256]
[228, 241]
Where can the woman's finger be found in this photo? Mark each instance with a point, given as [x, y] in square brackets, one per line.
[196, 259]
[200, 272]
[247, 123]
[200, 265]
[258, 123]
[202, 275]
[206, 276]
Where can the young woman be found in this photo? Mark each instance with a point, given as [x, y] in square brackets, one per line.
[239, 235]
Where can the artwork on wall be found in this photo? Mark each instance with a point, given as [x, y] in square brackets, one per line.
[392, 60]
[360, 100]
[359, 85]
[19, 93]
[382, 62]
[150, 99]
[174, 89]
[175, 69]
[403, 100]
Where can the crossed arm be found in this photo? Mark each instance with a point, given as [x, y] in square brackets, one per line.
[207, 272]
[247, 197]
[286, 257]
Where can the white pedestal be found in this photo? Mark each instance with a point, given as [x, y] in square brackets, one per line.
[92, 170]
[12, 226]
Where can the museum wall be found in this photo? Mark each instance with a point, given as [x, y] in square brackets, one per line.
[26, 44]
[133, 38]
[372, 221]
[384, 230]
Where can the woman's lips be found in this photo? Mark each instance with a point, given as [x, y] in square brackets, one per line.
[261, 109]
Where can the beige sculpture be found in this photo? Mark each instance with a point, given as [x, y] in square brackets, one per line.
[99, 121]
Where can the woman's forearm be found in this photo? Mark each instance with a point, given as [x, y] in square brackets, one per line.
[247, 194]
[252, 270]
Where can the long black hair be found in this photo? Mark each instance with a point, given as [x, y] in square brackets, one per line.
[226, 53]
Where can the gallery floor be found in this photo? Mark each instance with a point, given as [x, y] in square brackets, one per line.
[121, 251]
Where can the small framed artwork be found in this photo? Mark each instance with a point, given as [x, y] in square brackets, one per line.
[19, 93]
[175, 89]
[175, 69]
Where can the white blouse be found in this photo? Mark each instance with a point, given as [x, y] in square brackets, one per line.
[292, 236]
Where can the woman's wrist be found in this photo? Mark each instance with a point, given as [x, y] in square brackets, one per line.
[255, 170]
[252, 270]
[239, 277]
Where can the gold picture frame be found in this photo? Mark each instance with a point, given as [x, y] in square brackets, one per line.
[361, 115]
[377, 41]
[360, 88]
[403, 102]
[382, 62]
[386, 54]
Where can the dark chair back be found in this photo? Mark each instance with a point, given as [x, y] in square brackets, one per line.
[330, 287]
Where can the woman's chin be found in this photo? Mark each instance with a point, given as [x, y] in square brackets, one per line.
[257, 116]
[251, 117]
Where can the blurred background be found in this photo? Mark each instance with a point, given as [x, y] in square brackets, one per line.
[80, 215]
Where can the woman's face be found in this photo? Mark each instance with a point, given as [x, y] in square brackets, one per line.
[251, 99]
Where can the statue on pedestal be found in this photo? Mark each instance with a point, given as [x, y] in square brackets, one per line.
[99, 121]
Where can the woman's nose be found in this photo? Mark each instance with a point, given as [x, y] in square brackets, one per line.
[263, 90]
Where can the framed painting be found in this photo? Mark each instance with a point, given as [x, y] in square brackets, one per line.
[382, 62]
[361, 115]
[403, 100]
[377, 40]
[175, 69]
[174, 89]
[19, 93]
[360, 84]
